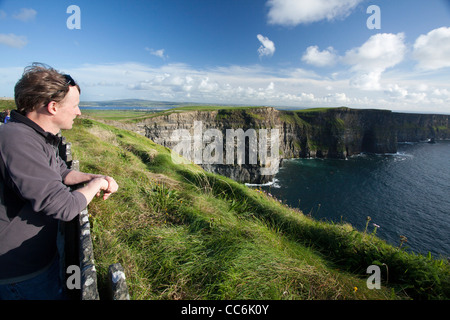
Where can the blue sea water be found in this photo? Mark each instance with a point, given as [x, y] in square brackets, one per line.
[405, 194]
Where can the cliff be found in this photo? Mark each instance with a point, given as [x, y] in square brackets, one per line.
[321, 133]
[182, 233]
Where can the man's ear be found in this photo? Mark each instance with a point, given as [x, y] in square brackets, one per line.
[52, 107]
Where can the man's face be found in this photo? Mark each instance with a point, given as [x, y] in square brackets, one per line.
[68, 109]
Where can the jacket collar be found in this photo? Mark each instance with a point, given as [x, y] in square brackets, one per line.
[49, 137]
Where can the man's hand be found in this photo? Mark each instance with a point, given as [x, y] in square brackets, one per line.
[76, 177]
[112, 187]
[97, 185]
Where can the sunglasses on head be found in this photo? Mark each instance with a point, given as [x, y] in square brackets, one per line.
[69, 80]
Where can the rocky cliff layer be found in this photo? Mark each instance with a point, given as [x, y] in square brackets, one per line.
[324, 133]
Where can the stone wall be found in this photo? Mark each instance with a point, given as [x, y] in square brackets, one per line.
[76, 249]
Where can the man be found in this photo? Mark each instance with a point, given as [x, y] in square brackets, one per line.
[7, 116]
[34, 182]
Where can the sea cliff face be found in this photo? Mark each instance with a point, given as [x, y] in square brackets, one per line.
[321, 133]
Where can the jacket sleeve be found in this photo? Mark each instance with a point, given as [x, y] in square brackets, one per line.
[64, 171]
[37, 174]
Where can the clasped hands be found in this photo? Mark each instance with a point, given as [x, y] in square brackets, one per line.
[108, 187]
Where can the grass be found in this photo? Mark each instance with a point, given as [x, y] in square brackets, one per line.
[116, 115]
[133, 116]
[183, 233]
[213, 108]
[7, 104]
[316, 110]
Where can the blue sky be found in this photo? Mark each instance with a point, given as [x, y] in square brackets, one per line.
[298, 53]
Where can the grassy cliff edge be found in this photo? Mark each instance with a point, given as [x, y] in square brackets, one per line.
[183, 233]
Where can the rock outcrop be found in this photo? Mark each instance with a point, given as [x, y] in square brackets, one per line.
[322, 133]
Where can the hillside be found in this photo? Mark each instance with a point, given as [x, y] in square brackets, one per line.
[183, 233]
[311, 133]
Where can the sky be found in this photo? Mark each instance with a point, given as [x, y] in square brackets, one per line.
[379, 54]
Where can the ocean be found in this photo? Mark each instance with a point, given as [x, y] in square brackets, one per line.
[405, 194]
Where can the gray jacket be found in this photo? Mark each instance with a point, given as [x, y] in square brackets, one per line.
[33, 197]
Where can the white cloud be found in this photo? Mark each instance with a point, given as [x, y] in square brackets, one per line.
[381, 51]
[369, 61]
[294, 12]
[25, 14]
[318, 58]
[267, 47]
[251, 85]
[13, 41]
[396, 91]
[442, 92]
[432, 51]
[207, 86]
[256, 85]
[366, 81]
[158, 53]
